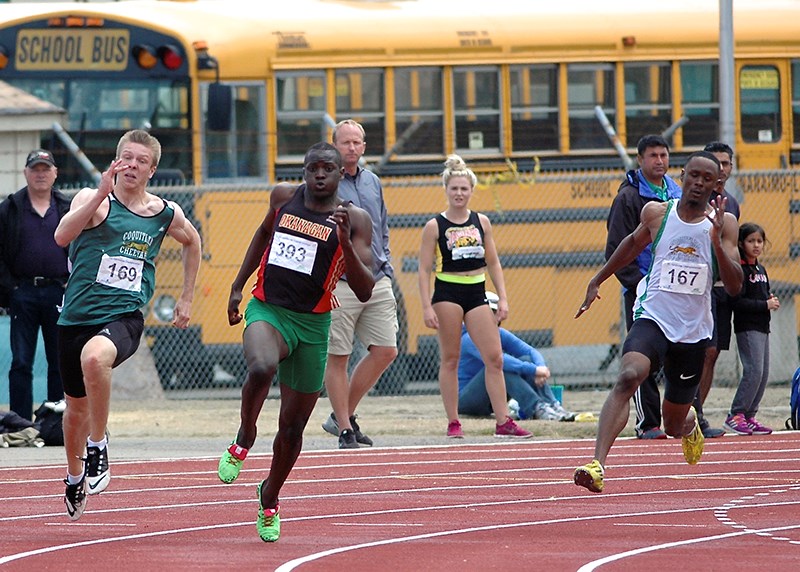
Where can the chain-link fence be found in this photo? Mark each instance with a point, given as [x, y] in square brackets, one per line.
[550, 232]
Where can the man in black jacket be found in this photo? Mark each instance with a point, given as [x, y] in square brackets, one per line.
[33, 272]
[648, 183]
[721, 306]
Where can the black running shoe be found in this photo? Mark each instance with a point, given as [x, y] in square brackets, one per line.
[75, 499]
[360, 437]
[347, 439]
[98, 474]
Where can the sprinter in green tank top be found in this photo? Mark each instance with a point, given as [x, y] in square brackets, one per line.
[114, 233]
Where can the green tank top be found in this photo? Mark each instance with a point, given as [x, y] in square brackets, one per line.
[112, 272]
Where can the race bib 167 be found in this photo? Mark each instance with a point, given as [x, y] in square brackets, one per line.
[683, 277]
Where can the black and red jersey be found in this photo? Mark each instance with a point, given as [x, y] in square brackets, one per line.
[303, 261]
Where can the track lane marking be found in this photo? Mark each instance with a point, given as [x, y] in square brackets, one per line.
[370, 493]
[591, 566]
[45, 550]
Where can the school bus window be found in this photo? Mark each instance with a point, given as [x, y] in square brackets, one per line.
[589, 85]
[118, 104]
[700, 102]
[300, 111]
[760, 104]
[121, 105]
[134, 101]
[359, 95]
[418, 110]
[648, 99]
[796, 99]
[476, 97]
[534, 107]
[171, 110]
[240, 152]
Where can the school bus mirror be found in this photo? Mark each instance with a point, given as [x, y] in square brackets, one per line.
[218, 111]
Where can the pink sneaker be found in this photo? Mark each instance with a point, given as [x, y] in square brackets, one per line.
[510, 430]
[737, 424]
[757, 428]
[454, 430]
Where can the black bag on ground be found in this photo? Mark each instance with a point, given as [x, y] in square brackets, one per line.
[48, 420]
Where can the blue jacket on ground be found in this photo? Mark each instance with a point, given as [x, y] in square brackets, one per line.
[518, 357]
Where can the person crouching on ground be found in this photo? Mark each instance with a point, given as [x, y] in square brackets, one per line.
[526, 376]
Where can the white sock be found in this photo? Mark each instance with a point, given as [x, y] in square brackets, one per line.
[73, 480]
[99, 444]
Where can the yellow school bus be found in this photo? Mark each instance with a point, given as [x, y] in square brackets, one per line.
[236, 91]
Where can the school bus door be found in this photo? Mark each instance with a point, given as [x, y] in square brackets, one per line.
[763, 136]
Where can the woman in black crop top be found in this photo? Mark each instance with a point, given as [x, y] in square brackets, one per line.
[458, 245]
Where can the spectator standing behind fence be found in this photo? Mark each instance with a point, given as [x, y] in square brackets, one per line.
[672, 325]
[751, 317]
[373, 321]
[460, 242]
[649, 183]
[114, 233]
[720, 301]
[33, 273]
[525, 372]
[307, 239]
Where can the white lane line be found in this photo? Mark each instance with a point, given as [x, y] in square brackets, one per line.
[378, 524]
[590, 566]
[292, 564]
[349, 459]
[406, 491]
[740, 504]
[299, 470]
[45, 550]
[661, 525]
[48, 549]
[90, 524]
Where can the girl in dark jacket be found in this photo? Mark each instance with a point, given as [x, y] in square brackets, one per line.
[751, 316]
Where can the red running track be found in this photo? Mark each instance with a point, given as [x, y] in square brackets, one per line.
[497, 506]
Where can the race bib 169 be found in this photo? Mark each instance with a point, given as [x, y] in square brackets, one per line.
[121, 272]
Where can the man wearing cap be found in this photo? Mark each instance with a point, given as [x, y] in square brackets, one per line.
[33, 272]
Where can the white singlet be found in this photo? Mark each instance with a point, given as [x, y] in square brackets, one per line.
[676, 291]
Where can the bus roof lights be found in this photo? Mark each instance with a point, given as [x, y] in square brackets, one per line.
[629, 41]
[76, 22]
[145, 56]
[205, 61]
[170, 56]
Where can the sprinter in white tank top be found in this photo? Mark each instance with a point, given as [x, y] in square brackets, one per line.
[675, 291]
[673, 321]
